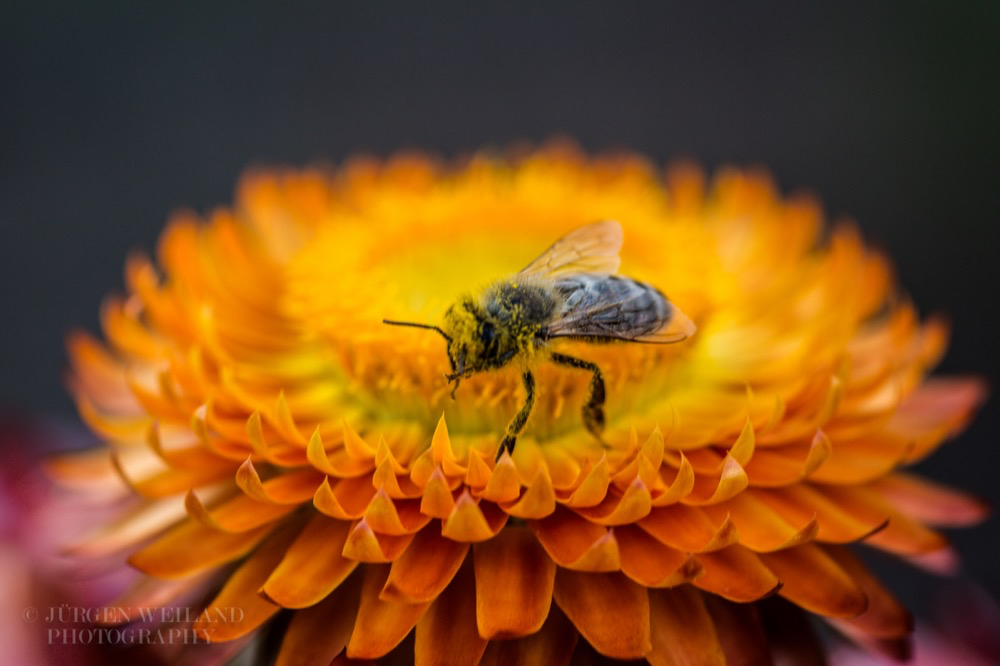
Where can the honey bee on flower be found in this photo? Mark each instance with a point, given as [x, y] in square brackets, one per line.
[570, 291]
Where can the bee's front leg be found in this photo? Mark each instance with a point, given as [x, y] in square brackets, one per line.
[517, 424]
[593, 409]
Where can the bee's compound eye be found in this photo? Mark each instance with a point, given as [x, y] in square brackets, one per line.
[487, 332]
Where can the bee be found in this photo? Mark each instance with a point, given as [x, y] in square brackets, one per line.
[570, 292]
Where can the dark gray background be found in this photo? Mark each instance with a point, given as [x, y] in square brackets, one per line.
[114, 114]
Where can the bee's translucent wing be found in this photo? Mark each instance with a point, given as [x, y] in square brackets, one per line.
[599, 307]
[590, 249]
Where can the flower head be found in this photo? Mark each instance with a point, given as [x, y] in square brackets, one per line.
[291, 447]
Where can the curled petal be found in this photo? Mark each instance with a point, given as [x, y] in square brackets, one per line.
[394, 517]
[473, 522]
[537, 501]
[592, 485]
[576, 543]
[621, 508]
[689, 529]
[366, 545]
[504, 484]
[345, 499]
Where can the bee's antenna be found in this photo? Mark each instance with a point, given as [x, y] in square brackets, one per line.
[416, 325]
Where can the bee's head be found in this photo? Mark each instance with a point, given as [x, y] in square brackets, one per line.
[471, 334]
[473, 339]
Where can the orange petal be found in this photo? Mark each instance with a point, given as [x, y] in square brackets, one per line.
[292, 487]
[680, 487]
[313, 566]
[504, 484]
[240, 591]
[736, 574]
[380, 625]
[318, 633]
[239, 514]
[394, 517]
[732, 481]
[514, 580]
[425, 569]
[689, 529]
[592, 485]
[682, 630]
[169, 481]
[931, 502]
[621, 508]
[366, 545]
[345, 499]
[446, 634]
[939, 405]
[609, 610]
[438, 501]
[472, 522]
[355, 446]
[553, 645]
[479, 473]
[813, 580]
[761, 529]
[885, 616]
[648, 562]
[387, 478]
[577, 543]
[538, 501]
[443, 452]
[803, 502]
[902, 535]
[868, 456]
[191, 547]
[784, 465]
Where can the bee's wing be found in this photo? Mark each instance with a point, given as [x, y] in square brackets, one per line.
[617, 309]
[590, 249]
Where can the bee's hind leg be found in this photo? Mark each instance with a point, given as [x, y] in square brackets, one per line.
[517, 424]
[593, 409]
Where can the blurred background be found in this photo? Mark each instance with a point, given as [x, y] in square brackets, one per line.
[115, 114]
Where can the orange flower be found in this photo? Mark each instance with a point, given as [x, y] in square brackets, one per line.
[288, 445]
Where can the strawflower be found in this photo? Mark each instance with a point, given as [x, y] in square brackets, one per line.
[292, 456]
